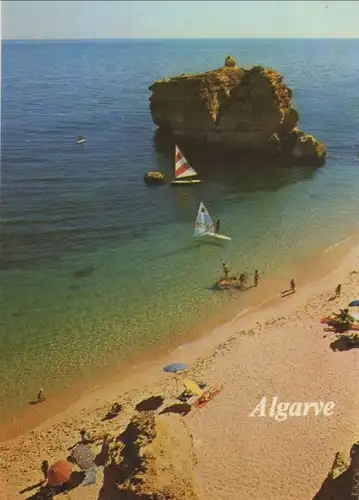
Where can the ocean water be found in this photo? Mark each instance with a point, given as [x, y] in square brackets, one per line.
[95, 265]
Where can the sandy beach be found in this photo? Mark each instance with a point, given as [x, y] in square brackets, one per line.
[219, 452]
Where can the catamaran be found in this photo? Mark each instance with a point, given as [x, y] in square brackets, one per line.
[183, 170]
[204, 226]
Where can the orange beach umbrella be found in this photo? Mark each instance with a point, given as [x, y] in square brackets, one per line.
[59, 473]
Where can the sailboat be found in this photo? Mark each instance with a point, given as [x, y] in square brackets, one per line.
[204, 226]
[183, 170]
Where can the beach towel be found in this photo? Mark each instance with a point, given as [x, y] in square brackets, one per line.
[90, 476]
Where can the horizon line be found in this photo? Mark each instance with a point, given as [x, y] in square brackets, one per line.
[177, 38]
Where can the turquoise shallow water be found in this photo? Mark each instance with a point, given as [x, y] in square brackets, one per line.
[68, 209]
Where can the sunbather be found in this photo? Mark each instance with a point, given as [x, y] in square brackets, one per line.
[114, 411]
[344, 316]
[208, 395]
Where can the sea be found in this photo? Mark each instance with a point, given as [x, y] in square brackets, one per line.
[96, 267]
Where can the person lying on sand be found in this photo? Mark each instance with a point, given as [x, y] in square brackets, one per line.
[205, 397]
[114, 411]
[208, 395]
[87, 438]
[343, 316]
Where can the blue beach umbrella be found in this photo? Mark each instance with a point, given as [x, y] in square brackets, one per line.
[175, 367]
[354, 303]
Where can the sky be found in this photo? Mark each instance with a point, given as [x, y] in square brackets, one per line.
[179, 19]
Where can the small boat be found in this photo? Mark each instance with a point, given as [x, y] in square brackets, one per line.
[183, 170]
[204, 227]
[80, 139]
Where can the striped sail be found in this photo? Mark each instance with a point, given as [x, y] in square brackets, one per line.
[182, 167]
[203, 222]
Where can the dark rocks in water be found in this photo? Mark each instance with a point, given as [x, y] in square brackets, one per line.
[83, 273]
[248, 110]
[154, 177]
[115, 409]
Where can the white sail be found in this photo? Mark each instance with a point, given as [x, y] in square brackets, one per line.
[203, 224]
[182, 167]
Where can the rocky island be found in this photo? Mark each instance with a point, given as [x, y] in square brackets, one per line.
[236, 109]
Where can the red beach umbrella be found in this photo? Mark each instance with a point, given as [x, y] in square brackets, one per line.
[59, 473]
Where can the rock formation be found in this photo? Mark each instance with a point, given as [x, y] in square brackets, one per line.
[342, 481]
[235, 108]
[153, 461]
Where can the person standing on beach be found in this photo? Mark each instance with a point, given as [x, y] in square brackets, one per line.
[225, 270]
[337, 291]
[41, 396]
[292, 285]
[256, 277]
[242, 279]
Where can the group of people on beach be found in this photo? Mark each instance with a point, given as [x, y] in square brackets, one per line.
[242, 277]
[256, 279]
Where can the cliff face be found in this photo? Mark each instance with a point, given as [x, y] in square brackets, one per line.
[155, 462]
[233, 107]
[342, 481]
